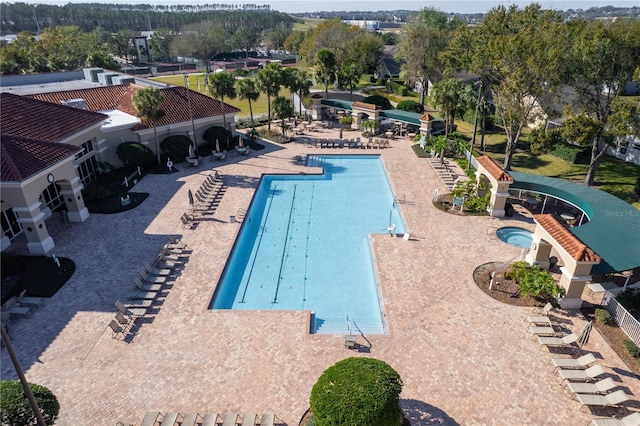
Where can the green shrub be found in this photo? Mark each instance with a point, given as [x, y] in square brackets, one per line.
[603, 316]
[135, 154]
[357, 392]
[632, 348]
[219, 133]
[410, 106]
[176, 147]
[397, 88]
[379, 100]
[539, 283]
[566, 152]
[14, 405]
[421, 153]
[97, 193]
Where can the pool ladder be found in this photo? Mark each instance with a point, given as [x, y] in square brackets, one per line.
[241, 214]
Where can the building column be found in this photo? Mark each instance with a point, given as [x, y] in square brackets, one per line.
[539, 252]
[32, 221]
[71, 190]
[573, 286]
[316, 109]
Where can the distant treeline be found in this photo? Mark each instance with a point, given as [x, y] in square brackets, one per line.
[17, 17]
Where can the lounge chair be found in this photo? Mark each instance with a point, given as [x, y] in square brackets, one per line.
[28, 301]
[131, 310]
[210, 419]
[123, 321]
[268, 420]
[249, 420]
[582, 375]
[543, 331]
[230, 419]
[157, 271]
[612, 399]
[191, 419]
[146, 287]
[151, 278]
[544, 310]
[116, 328]
[630, 420]
[135, 296]
[558, 342]
[151, 418]
[21, 311]
[603, 386]
[579, 363]
[170, 419]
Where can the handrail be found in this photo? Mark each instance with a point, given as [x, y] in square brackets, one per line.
[241, 213]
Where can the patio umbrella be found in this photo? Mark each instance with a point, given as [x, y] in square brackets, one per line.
[191, 202]
[584, 336]
[217, 146]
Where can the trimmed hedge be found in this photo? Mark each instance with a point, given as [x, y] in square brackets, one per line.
[572, 154]
[176, 147]
[357, 392]
[135, 154]
[410, 106]
[379, 100]
[397, 88]
[14, 405]
[221, 134]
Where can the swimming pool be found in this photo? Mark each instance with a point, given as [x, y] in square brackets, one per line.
[518, 237]
[304, 245]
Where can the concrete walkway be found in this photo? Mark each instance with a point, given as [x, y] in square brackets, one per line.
[464, 358]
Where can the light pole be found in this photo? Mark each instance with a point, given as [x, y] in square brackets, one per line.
[193, 126]
[475, 125]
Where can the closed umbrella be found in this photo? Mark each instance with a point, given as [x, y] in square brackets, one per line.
[191, 201]
[217, 145]
[191, 155]
[241, 143]
[584, 336]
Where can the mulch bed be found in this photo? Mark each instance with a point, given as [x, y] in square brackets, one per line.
[39, 275]
[503, 289]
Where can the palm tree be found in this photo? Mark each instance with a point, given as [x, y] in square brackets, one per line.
[300, 84]
[282, 109]
[269, 80]
[350, 75]
[248, 91]
[221, 85]
[325, 63]
[148, 102]
[440, 144]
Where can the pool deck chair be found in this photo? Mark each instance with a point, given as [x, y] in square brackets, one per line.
[249, 419]
[141, 295]
[191, 419]
[543, 331]
[24, 300]
[544, 310]
[580, 363]
[610, 400]
[230, 419]
[116, 328]
[157, 271]
[131, 312]
[151, 278]
[582, 375]
[151, 418]
[170, 419]
[146, 286]
[601, 387]
[567, 341]
[210, 419]
[539, 320]
[630, 420]
[268, 420]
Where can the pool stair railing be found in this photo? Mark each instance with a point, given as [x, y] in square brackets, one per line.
[241, 214]
[338, 326]
[399, 199]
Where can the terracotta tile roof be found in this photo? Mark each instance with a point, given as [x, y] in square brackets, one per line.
[97, 98]
[32, 118]
[494, 169]
[175, 106]
[364, 105]
[22, 157]
[572, 244]
[427, 117]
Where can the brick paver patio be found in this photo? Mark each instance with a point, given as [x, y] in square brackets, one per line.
[464, 358]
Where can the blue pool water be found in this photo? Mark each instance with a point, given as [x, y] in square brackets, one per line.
[304, 245]
[515, 236]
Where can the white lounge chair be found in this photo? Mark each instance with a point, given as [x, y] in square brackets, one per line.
[150, 418]
[582, 375]
[539, 320]
[191, 419]
[131, 311]
[151, 278]
[268, 420]
[210, 419]
[544, 310]
[603, 386]
[157, 271]
[146, 287]
[170, 419]
[230, 419]
[249, 420]
[558, 342]
[630, 420]
[609, 400]
[567, 363]
[28, 301]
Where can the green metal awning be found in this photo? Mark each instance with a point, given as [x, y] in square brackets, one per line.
[404, 116]
[337, 103]
[613, 230]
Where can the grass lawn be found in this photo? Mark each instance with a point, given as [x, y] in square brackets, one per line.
[259, 107]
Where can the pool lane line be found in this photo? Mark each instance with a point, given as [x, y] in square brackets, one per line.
[244, 293]
[284, 247]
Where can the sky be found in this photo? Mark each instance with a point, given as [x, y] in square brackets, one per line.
[299, 6]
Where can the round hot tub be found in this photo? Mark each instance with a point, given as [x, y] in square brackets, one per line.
[518, 237]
